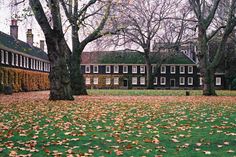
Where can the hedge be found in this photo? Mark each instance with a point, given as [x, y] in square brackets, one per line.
[23, 80]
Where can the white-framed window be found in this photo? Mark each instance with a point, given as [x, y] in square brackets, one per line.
[95, 69]
[2, 57]
[7, 57]
[87, 68]
[142, 69]
[163, 69]
[116, 69]
[134, 80]
[142, 80]
[27, 62]
[37, 64]
[31, 63]
[108, 81]
[12, 59]
[87, 81]
[181, 69]
[190, 81]
[153, 68]
[95, 81]
[182, 81]
[172, 69]
[163, 81]
[190, 69]
[17, 59]
[108, 69]
[218, 81]
[125, 69]
[155, 81]
[20, 61]
[24, 59]
[200, 81]
[134, 69]
[116, 80]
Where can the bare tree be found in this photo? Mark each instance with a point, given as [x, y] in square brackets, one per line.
[205, 13]
[58, 50]
[145, 22]
[81, 16]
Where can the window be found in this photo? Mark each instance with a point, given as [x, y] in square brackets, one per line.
[7, 58]
[12, 59]
[108, 81]
[87, 81]
[20, 61]
[142, 69]
[36, 64]
[142, 80]
[116, 69]
[155, 81]
[190, 69]
[95, 69]
[218, 81]
[27, 62]
[116, 80]
[163, 81]
[134, 80]
[134, 69]
[125, 69]
[181, 81]
[95, 81]
[153, 68]
[172, 69]
[31, 63]
[108, 69]
[190, 81]
[16, 59]
[181, 69]
[2, 56]
[24, 59]
[200, 81]
[87, 69]
[163, 69]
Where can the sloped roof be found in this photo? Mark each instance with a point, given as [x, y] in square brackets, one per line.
[20, 46]
[128, 57]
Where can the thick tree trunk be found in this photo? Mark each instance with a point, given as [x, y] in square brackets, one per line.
[59, 77]
[204, 63]
[77, 79]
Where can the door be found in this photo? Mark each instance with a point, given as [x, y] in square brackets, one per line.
[172, 82]
[125, 83]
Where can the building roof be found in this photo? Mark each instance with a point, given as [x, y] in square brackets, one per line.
[128, 57]
[7, 41]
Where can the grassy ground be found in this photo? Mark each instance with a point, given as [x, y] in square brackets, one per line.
[119, 92]
[118, 126]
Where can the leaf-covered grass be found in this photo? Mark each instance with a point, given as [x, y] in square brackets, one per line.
[107, 126]
[141, 92]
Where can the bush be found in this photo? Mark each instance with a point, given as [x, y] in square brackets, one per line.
[234, 84]
[8, 90]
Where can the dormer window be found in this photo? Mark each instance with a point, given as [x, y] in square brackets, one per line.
[190, 69]
[125, 69]
[134, 69]
[116, 69]
[95, 69]
[181, 69]
[142, 69]
[172, 69]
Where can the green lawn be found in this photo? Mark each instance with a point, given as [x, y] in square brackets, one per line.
[118, 92]
[109, 129]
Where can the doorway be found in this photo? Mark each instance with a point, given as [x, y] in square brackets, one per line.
[125, 83]
[172, 82]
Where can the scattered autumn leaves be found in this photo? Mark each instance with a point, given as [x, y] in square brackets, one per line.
[117, 126]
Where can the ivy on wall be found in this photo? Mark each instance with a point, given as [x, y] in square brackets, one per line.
[21, 80]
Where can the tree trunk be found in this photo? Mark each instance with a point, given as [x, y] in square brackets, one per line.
[149, 73]
[59, 77]
[76, 76]
[204, 63]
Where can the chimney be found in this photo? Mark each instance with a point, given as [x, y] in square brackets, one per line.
[30, 37]
[14, 28]
[42, 45]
